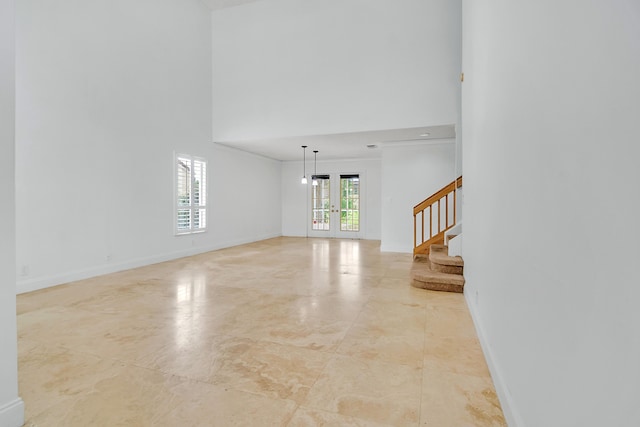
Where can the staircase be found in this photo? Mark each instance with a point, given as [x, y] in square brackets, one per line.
[433, 268]
[438, 271]
[434, 216]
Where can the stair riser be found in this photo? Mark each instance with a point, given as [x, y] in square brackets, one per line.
[449, 269]
[432, 286]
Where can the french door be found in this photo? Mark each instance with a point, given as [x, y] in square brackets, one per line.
[336, 203]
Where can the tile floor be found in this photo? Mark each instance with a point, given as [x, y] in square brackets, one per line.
[283, 332]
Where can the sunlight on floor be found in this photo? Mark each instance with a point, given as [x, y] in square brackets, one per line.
[282, 332]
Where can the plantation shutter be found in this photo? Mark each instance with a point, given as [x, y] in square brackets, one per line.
[183, 187]
[199, 194]
[191, 194]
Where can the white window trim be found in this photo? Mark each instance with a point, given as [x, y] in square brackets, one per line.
[191, 207]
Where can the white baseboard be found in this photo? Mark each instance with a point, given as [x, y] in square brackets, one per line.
[37, 283]
[12, 413]
[509, 409]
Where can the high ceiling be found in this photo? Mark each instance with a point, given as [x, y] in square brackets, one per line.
[221, 4]
[353, 145]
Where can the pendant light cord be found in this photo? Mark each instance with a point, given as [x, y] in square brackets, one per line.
[315, 164]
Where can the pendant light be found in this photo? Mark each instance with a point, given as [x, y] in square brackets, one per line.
[314, 178]
[304, 165]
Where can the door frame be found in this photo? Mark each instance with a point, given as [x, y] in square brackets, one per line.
[334, 222]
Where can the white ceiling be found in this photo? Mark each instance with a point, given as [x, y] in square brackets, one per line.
[221, 4]
[351, 145]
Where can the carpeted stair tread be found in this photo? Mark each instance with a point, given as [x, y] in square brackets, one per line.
[426, 278]
[440, 260]
[443, 258]
[440, 255]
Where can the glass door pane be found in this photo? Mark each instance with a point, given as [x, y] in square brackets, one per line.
[320, 202]
[349, 203]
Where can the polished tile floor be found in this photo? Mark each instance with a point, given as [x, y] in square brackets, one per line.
[282, 332]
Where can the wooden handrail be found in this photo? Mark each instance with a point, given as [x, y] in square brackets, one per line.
[431, 202]
[438, 195]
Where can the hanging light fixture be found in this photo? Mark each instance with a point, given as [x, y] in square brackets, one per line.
[304, 165]
[314, 178]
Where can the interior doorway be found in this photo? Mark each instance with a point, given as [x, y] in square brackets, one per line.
[336, 206]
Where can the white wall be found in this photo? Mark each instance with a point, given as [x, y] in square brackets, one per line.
[247, 197]
[11, 406]
[411, 173]
[106, 92]
[296, 203]
[550, 113]
[291, 67]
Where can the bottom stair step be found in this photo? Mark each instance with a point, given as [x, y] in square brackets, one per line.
[425, 278]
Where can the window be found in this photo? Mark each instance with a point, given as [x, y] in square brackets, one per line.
[191, 194]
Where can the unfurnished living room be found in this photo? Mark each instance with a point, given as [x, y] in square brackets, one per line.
[319, 213]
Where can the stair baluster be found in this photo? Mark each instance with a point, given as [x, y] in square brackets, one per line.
[422, 243]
